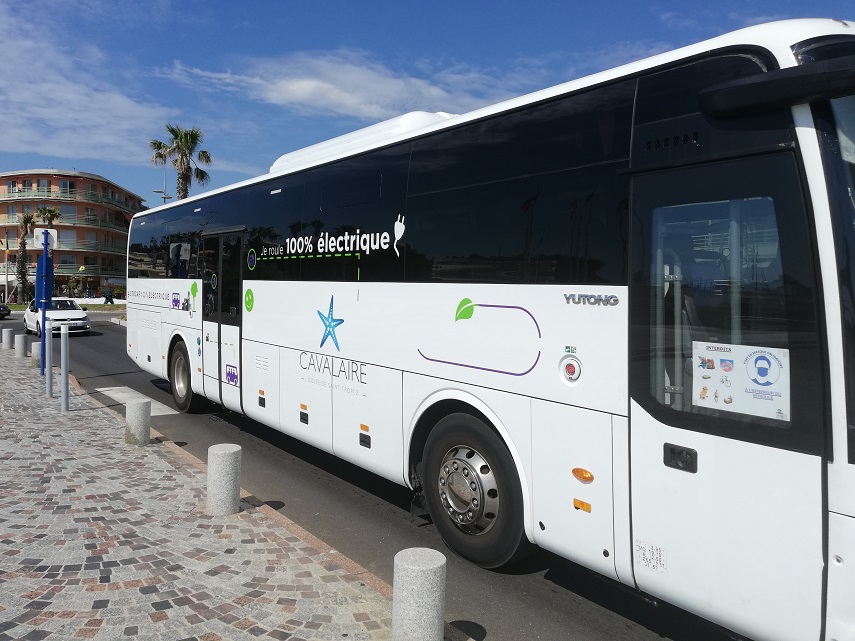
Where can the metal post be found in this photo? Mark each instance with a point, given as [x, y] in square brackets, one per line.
[63, 367]
[49, 358]
[45, 293]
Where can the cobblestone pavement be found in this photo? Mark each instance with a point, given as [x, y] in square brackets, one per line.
[104, 540]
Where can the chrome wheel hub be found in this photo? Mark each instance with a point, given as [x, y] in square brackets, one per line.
[180, 376]
[468, 490]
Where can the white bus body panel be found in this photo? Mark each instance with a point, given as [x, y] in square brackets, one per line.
[230, 366]
[620, 487]
[516, 339]
[367, 426]
[144, 339]
[260, 384]
[688, 529]
[840, 624]
[158, 306]
[211, 360]
[305, 401]
[572, 517]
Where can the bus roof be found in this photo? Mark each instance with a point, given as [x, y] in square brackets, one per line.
[776, 37]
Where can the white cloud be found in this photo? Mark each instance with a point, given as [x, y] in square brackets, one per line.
[345, 82]
[615, 55]
[678, 22]
[63, 103]
[743, 20]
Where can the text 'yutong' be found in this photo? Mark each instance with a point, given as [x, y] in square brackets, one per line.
[606, 300]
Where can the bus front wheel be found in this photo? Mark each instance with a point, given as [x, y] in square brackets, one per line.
[473, 492]
[180, 381]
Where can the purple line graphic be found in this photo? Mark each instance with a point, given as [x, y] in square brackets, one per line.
[490, 369]
[483, 369]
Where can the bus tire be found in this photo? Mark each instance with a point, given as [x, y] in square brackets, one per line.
[180, 379]
[473, 492]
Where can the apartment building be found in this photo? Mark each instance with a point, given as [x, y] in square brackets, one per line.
[92, 230]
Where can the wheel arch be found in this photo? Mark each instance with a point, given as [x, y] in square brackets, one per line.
[178, 337]
[441, 404]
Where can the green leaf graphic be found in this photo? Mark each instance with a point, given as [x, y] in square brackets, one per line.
[464, 310]
[194, 289]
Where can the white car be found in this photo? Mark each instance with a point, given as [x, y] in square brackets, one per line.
[63, 311]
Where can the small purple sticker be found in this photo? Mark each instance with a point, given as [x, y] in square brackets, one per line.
[231, 375]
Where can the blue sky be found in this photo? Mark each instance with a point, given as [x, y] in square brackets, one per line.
[88, 83]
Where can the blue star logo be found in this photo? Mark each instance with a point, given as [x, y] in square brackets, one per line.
[330, 324]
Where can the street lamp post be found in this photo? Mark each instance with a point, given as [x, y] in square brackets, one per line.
[162, 192]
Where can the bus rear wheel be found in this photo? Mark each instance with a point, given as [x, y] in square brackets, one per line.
[473, 492]
[180, 380]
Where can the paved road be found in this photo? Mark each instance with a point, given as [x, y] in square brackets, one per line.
[368, 519]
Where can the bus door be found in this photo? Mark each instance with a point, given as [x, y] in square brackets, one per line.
[727, 413]
[222, 301]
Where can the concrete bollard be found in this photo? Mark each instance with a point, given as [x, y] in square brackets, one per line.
[20, 346]
[223, 479]
[138, 418]
[418, 595]
[36, 354]
[8, 334]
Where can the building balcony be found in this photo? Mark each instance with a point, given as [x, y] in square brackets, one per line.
[91, 271]
[91, 246]
[70, 221]
[82, 195]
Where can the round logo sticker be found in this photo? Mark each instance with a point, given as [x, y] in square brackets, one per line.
[249, 300]
[251, 259]
[763, 368]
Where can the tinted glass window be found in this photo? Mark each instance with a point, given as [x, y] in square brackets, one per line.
[674, 92]
[824, 48]
[725, 337]
[271, 213]
[578, 130]
[231, 301]
[564, 227]
[352, 212]
[166, 244]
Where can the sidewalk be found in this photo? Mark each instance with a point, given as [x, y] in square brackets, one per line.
[103, 540]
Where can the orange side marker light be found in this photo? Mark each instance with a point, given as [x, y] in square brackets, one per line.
[583, 475]
[581, 505]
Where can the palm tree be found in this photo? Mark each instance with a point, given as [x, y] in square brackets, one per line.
[26, 223]
[180, 150]
[48, 214]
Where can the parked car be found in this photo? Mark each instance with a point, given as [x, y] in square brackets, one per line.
[63, 311]
[4, 311]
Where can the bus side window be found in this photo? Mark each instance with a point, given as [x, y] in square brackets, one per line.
[724, 256]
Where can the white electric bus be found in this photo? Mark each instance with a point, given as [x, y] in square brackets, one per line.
[614, 318]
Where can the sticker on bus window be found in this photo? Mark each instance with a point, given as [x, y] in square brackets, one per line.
[741, 378]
